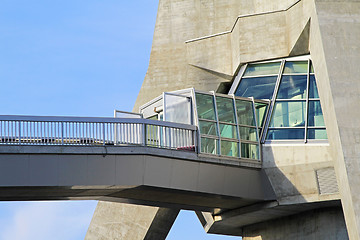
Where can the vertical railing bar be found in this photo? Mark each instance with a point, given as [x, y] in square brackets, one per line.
[13, 131]
[62, 132]
[28, 132]
[48, 137]
[111, 132]
[19, 132]
[10, 132]
[103, 129]
[87, 134]
[94, 133]
[144, 134]
[37, 132]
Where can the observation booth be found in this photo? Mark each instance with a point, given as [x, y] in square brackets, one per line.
[269, 102]
[228, 126]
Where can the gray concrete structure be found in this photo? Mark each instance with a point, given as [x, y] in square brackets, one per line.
[126, 221]
[128, 174]
[203, 44]
[301, 189]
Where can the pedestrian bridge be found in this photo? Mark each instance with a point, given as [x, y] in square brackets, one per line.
[134, 160]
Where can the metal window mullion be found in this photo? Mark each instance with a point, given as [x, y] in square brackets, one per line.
[257, 129]
[280, 128]
[217, 123]
[263, 127]
[197, 138]
[237, 126]
[291, 100]
[237, 79]
[227, 123]
[272, 102]
[307, 101]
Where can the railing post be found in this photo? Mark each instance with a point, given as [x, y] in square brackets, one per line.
[144, 134]
[62, 133]
[195, 138]
[19, 132]
[103, 133]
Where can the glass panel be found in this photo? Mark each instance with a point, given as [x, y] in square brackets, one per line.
[208, 128]
[316, 118]
[229, 148]
[293, 87]
[177, 109]
[317, 134]
[313, 92]
[245, 112]
[296, 67]
[279, 134]
[155, 117]
[261, 109]
[225, 107]
[228, 131]
[289, 114]
[250, 151]
[205, 106]
[208, 145]
[312, 68]
[248, 134]
[259, 88]
[262, 69]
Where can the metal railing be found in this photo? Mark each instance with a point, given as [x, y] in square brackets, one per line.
[93, 131]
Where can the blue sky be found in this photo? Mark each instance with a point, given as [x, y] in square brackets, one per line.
[77, 58]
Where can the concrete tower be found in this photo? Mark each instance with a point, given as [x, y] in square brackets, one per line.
[208, 45]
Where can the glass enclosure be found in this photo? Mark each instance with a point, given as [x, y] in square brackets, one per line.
[277, 100]
[229, 125]
[295, 110]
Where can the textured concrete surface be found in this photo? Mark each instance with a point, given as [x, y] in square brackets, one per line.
[336, 55]
[116, 221]
[175, 65]
[292, 171]
[327, 223]
[201, 44]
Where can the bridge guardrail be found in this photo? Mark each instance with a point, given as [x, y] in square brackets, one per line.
[95, 131]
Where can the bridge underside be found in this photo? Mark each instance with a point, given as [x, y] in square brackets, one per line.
[139, 175]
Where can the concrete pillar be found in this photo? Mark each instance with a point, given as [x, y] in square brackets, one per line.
[334, 47]
[113, 221]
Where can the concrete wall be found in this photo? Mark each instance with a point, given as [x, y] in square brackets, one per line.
[336, 55]
[292, 168]
[327, 223]
[184, 55]
[171, 59]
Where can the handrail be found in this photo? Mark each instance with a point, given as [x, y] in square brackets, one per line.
[55, 130]
[94, 119]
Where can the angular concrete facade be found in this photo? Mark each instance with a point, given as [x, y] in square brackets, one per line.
[203, 44]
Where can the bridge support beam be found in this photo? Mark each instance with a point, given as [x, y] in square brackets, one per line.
[127, 221]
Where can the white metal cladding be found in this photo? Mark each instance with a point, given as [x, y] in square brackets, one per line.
[38, 130]
[327, 181]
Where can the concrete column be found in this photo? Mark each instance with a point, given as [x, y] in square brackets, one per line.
[335, 50]
[113, 221]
